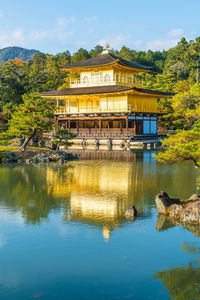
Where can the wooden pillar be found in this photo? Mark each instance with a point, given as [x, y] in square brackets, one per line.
[120, 123]
[127, 125]
[57, 124]
[69, 124]
[100, 127]
[77, 126]
[135, 127]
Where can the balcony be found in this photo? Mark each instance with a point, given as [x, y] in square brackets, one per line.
[101, 81]
[100, 110]
[90, 109]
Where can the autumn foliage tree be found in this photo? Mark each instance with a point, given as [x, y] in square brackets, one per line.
[185, 143]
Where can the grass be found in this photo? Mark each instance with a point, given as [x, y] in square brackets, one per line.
[29, 153]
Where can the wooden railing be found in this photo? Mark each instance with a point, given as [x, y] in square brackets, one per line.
[90, 109]
[103, 132]
[74, 83]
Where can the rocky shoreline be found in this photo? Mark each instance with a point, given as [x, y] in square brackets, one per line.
[60, 157]
[182, 211]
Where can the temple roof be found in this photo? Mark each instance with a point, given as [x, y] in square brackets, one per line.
[104, 60]
[102, 90]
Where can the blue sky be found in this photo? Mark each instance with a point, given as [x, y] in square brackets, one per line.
[53, 26]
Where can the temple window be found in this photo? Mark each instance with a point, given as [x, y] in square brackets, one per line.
[61, 102]
[96, 77]
[85, 80]
[107, 78]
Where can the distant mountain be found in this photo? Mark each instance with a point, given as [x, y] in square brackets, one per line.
[13, 52]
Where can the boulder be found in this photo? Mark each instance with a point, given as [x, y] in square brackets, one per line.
[191, 213]
[194, 197]
[186, 211]
[61, 155]
[175, 210]
[163, 202]
[131, 212]
[11, 156]
[49, 144]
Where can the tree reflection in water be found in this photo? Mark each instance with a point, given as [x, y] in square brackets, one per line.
[183, 283]
[95, 190]
[25, 188]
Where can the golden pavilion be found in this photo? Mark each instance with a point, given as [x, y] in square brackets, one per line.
[107, 100]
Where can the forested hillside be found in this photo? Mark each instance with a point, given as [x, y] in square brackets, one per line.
[13, 52]
[176, 67]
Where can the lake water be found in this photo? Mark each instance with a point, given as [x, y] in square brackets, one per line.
[63, 233]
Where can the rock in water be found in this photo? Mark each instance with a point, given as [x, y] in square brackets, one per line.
[194, 197]
[175, 210]
[191, 213]
[163, 202]
[11, 157]
[185, 212]
[131, 212]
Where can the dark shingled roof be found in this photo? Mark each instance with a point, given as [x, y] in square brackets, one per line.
[101, 90]
[154, 92]
[104, 59]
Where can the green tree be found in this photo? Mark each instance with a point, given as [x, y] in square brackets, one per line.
[31, 118]
[126, 53]
[12, 83]
[185, 143]
[63, 58]
[80, 55]
[97, 50]
[62, 137]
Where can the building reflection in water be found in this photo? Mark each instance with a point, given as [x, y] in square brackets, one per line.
[101, 188]
[95, 190]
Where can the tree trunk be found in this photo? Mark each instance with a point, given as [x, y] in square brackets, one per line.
[196, 165]
[27, 140]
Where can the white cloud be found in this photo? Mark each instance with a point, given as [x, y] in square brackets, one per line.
[161, 44]
[12, 38]
[115, 42]
[138, 43]
[176, 32]
[62, 36]
[81, 44]
[11, 218]
[90, 19]
[36, 35]
[64, 21]
[91, 30]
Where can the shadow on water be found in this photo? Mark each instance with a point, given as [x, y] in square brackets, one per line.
[164, 222]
